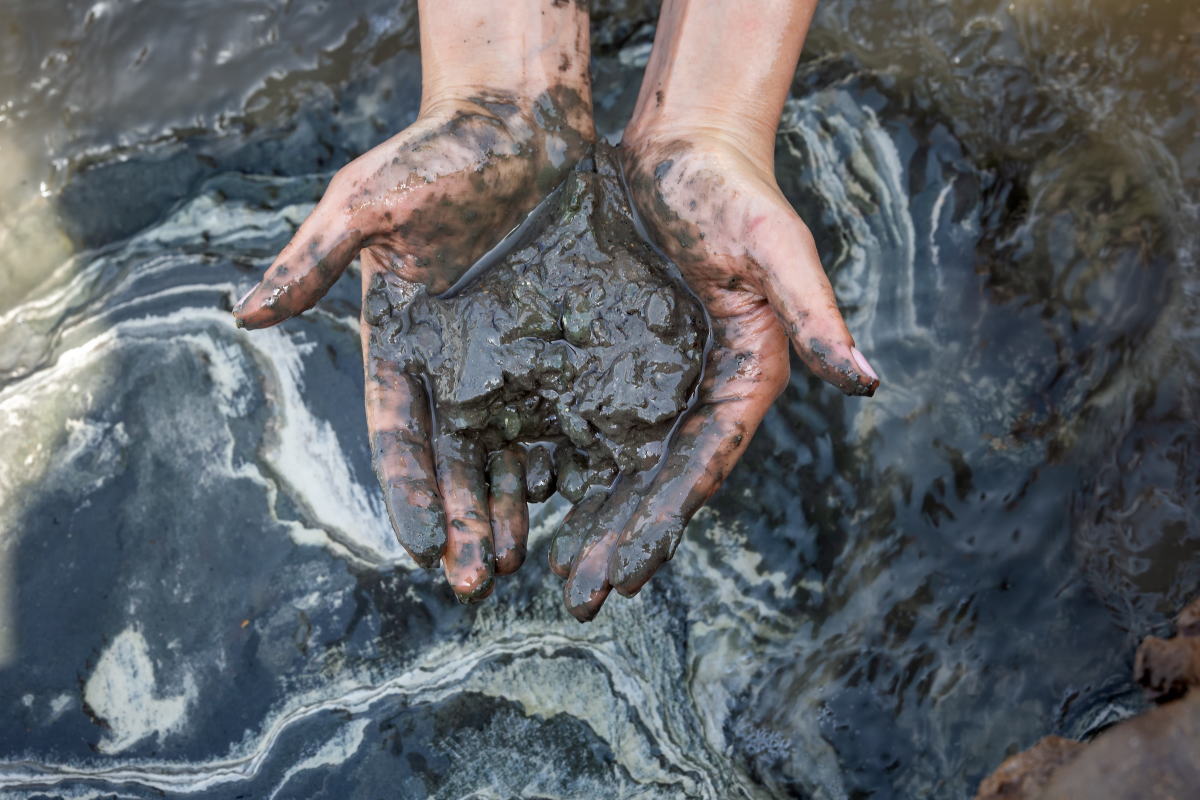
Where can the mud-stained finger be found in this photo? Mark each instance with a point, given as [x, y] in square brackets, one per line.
[800, 293]
[509, 514]
[539, 474]
[739, 387]
[398, 422]
[568, 539]
[587, 586]
[303, 271]
[469, 559]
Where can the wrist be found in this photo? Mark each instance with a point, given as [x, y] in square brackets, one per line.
[559, 112]
[530, 50]
[721, 71]
[503, 76]
[752, 140]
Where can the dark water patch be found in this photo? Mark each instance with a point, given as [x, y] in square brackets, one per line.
[886, 598]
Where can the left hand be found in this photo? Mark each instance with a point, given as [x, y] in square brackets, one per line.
[741, 247]
[419, 209]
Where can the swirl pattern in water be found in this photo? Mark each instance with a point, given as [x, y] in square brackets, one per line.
[199, 592]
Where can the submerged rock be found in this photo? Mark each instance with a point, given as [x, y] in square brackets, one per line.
[583, 335]
[1024, 774]
[1152, 755]
[1168, 668]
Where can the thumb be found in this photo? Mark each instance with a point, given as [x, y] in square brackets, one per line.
[799, 292]
[303, 271]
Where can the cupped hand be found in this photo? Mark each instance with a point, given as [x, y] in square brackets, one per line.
[421, 208]
[753, 263]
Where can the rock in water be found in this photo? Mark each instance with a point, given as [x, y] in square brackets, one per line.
[1152, 755]
[583, 335]
[1023, 775]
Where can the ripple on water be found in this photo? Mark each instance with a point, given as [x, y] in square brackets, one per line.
[202, 595]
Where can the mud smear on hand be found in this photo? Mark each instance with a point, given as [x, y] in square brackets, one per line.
[583, 336]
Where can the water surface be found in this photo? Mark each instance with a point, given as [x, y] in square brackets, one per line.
[199, 593]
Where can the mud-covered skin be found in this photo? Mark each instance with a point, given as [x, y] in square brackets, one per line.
[507, 505]
[724, 222]
[582, 338]
[429, 201]
[421, 208]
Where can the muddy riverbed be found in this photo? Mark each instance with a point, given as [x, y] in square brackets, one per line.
[200, 594]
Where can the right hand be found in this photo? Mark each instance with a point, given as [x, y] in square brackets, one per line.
[721, 217]
[420, 209]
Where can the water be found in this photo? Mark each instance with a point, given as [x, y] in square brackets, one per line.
[200, 595]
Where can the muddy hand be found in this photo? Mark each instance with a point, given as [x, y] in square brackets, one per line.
[698, 161]
[621, 538]
[447, 498]
[754, 265]
[505, 114]
[427, 203]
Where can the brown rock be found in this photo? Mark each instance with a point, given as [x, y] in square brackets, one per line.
[1188, 621]
[1166, 668]
[1022, 776]
[1153, 756]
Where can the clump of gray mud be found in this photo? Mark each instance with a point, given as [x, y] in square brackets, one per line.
[582, 335]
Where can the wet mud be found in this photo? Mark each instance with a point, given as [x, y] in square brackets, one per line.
[582, 337]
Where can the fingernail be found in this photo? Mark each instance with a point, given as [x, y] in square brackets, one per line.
[238, 305]
[862, 362]
[468, 595]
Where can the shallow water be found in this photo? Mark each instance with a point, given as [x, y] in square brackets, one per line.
[199, 594]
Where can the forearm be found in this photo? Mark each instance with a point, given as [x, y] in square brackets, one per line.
[522, 46]
[723, 67]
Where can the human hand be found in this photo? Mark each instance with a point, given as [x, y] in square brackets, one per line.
[502, 121]
[754, 265]
[698, 156]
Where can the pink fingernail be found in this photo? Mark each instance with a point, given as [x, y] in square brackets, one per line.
[238, 305]
[862, 362]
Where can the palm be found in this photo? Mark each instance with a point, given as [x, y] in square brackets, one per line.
[752, 262]
[420, 209]
[425, 204]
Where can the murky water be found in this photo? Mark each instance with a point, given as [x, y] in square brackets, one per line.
[199, 594]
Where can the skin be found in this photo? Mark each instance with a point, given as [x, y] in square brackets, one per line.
[698, 161]
[505, 114]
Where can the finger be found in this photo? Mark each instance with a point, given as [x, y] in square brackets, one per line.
[398, 420]
[568, 539]
[739, 386]
[304, 270]
[570, 471]
[469, 560]
[587, 586]
[509, 514]
[539, 474]
[799, 291]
